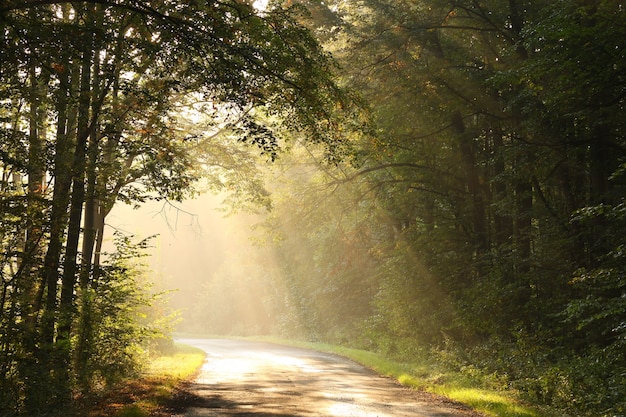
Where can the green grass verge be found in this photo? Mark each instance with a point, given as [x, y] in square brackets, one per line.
[163, 374]
[182, 364]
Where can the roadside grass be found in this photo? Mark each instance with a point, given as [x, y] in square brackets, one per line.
[180, 365]
[471, 391]
[144, 396]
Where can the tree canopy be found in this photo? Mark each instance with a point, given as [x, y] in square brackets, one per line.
[93, 97]
[455, 187]
[483, 213]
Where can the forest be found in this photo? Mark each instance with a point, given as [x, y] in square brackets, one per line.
[428, 178]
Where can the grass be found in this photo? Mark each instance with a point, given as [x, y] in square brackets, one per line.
[180, 365]
[144, 396]
[489, 402]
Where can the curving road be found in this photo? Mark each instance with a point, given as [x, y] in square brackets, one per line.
[242, 378]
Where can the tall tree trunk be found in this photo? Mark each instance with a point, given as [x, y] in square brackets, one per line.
[65, 138]
[70, 268]
[503, 223]
[91, 199]
[523, 224]
[90, 233]
[522, 235]
[468, 157]
[33, 366]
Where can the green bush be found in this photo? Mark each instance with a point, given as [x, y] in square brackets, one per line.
[119, 322]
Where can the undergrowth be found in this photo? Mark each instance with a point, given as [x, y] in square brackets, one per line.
[142, 397]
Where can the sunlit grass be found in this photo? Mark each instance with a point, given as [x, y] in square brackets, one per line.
[180, 365]
[155, 389]
[489, 402]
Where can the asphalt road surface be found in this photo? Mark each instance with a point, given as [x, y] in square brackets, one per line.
[242, 378]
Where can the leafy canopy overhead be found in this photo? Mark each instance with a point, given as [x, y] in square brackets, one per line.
[120, 100]
[228, 51]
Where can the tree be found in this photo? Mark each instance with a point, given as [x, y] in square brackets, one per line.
[102, 82]
[498, 130]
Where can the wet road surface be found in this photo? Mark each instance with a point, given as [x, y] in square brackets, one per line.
[243, 378]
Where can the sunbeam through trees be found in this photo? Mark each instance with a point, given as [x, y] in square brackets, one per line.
[440, 179]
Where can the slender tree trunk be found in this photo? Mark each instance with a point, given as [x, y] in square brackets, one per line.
[522, 234]
[503, 224]
[523, 224]
[468, 157]
[91, 199]
[65, 138]
[33, 366]
[90, 233]
[70, 269]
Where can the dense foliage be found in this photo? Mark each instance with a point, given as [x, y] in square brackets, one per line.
[98, 104]
[484, 213]
[479, 215]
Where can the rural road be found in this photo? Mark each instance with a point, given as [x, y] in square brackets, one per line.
[243, 378]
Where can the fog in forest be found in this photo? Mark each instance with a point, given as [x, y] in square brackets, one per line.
[447, 183]
[203, 258]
